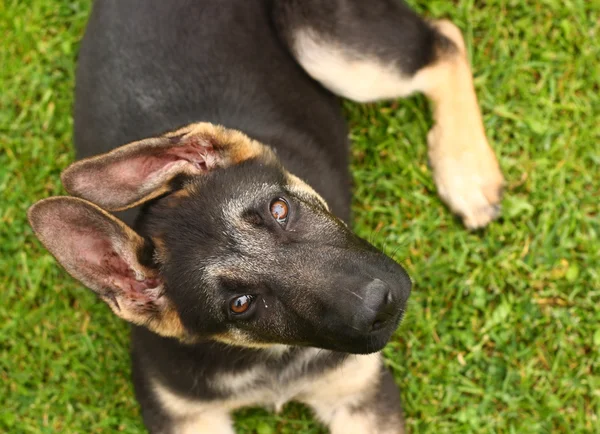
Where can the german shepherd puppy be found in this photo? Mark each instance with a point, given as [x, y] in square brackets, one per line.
[243, 282]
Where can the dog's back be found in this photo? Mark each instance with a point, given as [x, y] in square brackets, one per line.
[150, 66]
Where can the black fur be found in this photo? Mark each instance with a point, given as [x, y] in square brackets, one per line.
[148, 66]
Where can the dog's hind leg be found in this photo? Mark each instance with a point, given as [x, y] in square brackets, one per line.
[375, 50]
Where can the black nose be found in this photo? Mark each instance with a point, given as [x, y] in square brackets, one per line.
[377, 307]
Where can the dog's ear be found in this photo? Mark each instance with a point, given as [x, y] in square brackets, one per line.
[104, 254]
[140, 171]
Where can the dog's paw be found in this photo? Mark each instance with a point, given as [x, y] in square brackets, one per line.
[467, 176]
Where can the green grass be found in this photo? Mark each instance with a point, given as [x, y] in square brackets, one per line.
[503, 329]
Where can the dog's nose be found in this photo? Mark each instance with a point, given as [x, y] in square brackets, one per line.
[377, 307]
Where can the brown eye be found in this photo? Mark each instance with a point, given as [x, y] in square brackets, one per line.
[279, 210]
[240, 304]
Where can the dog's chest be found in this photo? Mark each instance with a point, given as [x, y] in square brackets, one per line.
[267, 386]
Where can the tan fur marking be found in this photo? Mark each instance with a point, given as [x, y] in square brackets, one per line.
[193, 417]
[353, 75]
[183, 408]
[209, 423]
[239, 339]
[334, 395]
[465, 168]
[239, 381]
[161, 253]
[168, 324]
[346, 422]
[298, 186]
[177, 406]
[184, 193]
[347, 385]
[235, 145]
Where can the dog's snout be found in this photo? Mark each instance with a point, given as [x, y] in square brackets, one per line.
[377, 309]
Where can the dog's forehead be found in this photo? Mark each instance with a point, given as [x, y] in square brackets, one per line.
[208, 215]
[235, 189]
[236, 204]
[245, 181]
[254, 243]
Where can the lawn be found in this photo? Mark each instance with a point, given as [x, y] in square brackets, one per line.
[502, 333]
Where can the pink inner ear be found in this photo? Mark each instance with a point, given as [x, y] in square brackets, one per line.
[200, 152]
[100, 261]
[134, 172]
[146, 168]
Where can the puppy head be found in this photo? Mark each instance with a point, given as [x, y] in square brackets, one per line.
[229, 246]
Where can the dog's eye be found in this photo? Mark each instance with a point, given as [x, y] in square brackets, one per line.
[279, 210]
[240, 304]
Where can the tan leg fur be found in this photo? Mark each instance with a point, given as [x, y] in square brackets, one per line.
[465, 168]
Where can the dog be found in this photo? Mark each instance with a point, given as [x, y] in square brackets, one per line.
[224, 241]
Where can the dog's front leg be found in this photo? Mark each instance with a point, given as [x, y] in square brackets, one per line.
[213, 423]
[360, 397]
[167, 412]
[465, 168]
